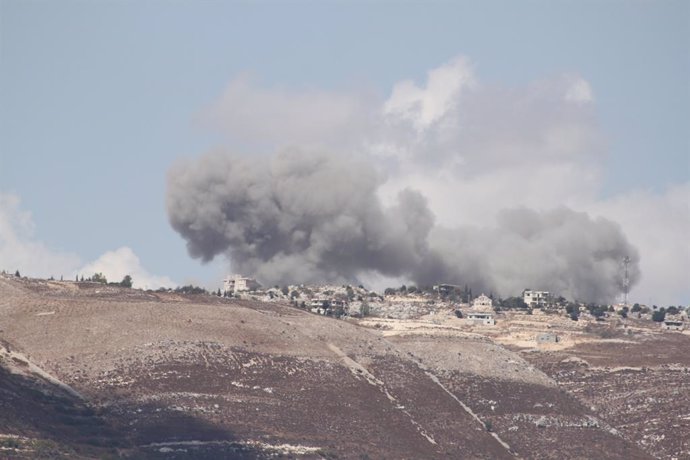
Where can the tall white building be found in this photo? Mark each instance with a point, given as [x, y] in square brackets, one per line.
[535, 298]
[238, 283]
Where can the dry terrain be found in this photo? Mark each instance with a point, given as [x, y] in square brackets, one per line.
[93, 371]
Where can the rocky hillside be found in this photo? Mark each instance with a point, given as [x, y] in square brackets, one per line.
[93, 371]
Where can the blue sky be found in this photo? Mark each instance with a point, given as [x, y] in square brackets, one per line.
[98, 99]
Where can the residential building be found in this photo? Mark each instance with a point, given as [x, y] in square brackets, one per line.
[547, 337]
[535, 299]
[238, 283]
[482, 302]
[672, 325]
[445, 289]
[481, 318]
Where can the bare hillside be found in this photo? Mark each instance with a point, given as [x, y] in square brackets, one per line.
[171, 376]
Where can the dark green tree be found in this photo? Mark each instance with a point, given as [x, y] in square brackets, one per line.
[513, 302]
[659, 315]
[364, 309]
[17, 274]
[126, 281]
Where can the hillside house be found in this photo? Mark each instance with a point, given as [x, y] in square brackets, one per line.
[672, 325]
[535, 299]
[484, 318]
[547, 337]
[445, 289]
[237, 283]
[483, 302]
[325, 306]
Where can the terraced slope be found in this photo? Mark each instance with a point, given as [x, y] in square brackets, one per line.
[641, 384]
[201, 377]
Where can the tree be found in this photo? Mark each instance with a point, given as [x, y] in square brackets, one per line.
[672, 310]
[76, 278]
[285, 290]
[513, 302]
[364, 309]
[126, 281]
[190, 289]
[597, 311]
[636, 308]
[99, 278]
[389, 291]
[659, 315]
[82, 278]
[294, 294]
[17, 274]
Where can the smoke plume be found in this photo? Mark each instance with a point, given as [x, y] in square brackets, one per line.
[306, 216]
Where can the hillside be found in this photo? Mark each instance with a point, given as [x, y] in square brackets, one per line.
[91, 370]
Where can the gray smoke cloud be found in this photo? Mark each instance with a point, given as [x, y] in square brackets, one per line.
[305, 216]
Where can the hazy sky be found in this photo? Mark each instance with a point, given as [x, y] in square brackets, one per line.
[99, 99]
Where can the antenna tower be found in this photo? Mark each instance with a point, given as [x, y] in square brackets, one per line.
[626, 280]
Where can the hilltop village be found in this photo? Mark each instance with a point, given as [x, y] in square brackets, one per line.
[411, 302]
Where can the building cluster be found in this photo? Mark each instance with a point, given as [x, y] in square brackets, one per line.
[406, 303]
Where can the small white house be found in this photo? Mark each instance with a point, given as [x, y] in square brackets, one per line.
[548, 337]
[672, 325]
[238, 283]
[481, 318]
[483, 302]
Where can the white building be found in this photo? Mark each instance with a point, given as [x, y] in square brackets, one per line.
[535, 298]
[482, 302]
[672, 325]
[481, 318]
[238, 283]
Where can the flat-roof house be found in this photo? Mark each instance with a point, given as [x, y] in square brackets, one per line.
[672, 325]
[484, 318]
[238, 283]
[535, 298]
[547, 337]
